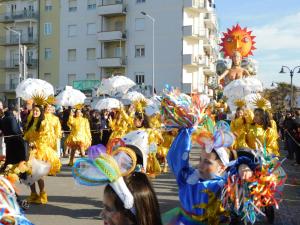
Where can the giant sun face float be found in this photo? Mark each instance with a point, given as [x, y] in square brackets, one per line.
[239, 40]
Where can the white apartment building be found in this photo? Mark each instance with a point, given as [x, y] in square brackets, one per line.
[102, 38]
[22, 17]
[185, 42]
[78, 41]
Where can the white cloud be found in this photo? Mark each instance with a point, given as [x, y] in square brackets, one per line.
[282, 34]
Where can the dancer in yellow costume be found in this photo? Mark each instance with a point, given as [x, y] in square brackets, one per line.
[121, 124]
[37, 135]
[80, 137]
[56, 132]
[261, 130]
[238, 125]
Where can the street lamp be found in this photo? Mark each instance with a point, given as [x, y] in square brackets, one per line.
[153, 46]
[291, 74]
[20, 67]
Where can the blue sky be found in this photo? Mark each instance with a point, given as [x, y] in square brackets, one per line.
[276, 25]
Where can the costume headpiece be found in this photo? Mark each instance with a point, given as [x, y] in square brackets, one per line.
[221, 139]
[140, 105]
[39, 99]
[262, 103]
[237, 39]
[108, 169]
[79, 106]
[240, 103]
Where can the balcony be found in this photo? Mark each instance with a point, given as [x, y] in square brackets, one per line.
[19, 16]
[210, 68]
[199, 6]
[192, 31]
[14, 40]
[112, 62]
[210, 21]
[14, 64]
[111, 7]
[191, 60]
[111, 35]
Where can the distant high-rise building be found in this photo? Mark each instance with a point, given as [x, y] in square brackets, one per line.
[88, 40]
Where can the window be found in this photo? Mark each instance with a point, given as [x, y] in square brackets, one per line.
[118, 52]
[72, 5]
[71, 79]
[48, 5]
[47, 77]
[12, 81]
[72, 30]
[91, 76]
[90, 53]
[140, 24]
[139, 78]
[47, 29]
[71, 55]
[48, 53]
[140, 1]
[91, 4]
[91, 28]
[139, 50]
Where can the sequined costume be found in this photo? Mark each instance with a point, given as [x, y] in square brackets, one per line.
[120, 126]
[80, 137]
[154, 138]
[42, 144]
[56, 132]
[238, 127]
[267, 138]
[199, 198]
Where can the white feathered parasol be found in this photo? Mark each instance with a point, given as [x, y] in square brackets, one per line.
[134, 96]
[34, 87]
[108, 103]
[70, 97]
[115, 85]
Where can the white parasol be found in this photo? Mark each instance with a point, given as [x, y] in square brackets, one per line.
[115, 85]
[70, 97]
[34, 87]
[134, 96]
[108, 103]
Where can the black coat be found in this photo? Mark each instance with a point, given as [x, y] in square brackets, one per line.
[15, 146]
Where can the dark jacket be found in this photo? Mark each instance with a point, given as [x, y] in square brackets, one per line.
[15, 146]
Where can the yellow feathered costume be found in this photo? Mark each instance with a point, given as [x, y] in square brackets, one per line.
[80, 137]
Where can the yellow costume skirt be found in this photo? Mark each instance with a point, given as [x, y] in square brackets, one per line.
[74, 142]
[153, 166]
[47, 154]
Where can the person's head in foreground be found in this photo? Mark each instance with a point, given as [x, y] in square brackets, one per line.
[146, 208]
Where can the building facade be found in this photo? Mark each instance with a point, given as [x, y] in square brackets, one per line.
[88, 40]
[19, 21]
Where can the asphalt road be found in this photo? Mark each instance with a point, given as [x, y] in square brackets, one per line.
[70, 203]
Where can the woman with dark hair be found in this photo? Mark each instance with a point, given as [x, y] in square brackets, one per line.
[238, 127]
[38, 135]
[80, 137]
[145, 204]
[261, 131]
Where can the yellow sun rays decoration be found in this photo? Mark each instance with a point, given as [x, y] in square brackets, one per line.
[237, 39]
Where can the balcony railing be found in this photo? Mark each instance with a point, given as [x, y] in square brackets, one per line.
[106, 8]
[8, 87]
[110, 2]
[112, 62]
[14, 64]
[20, 15]
[15, 40]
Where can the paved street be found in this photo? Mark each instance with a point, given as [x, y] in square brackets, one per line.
[70, 203]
